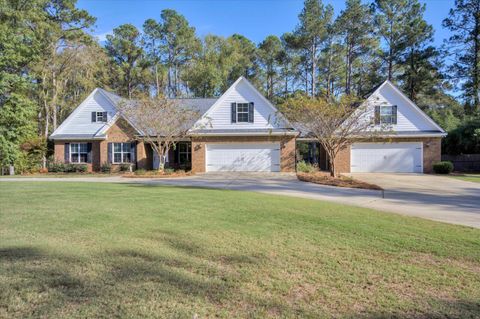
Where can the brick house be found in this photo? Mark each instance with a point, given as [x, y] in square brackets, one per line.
[243, 134]
[243, 131]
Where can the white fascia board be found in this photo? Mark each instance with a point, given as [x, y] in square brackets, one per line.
[72, 115]
[292, 133]
[227, 92]
[415, 107]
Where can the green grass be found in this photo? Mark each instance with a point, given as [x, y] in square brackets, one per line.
[468, 177]
[89, 250]
[61, 175]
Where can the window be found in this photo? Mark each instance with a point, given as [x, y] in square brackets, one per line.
[183, 153]
[121, 153]
[242, 112]
[101, 116]
[78, 152]
[388, 114]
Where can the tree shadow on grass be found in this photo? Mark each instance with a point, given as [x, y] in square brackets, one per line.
[459, 308]
[102, 282]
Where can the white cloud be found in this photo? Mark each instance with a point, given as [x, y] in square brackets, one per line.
[102, 37]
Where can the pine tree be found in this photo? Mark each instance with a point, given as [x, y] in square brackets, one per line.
[312, 33]
[391, 22]
[178, 45]
[270, 54]
[355, 26]
[126, 53]
[464, 44]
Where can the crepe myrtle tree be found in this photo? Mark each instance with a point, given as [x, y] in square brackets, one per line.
[332, 122]
[161, 122]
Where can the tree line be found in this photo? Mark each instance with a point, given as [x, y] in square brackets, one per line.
[49, 62]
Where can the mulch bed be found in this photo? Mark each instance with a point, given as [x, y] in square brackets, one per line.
[153, 174]
[324, 178]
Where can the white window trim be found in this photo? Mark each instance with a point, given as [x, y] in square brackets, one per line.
[248, 107]
[391, 115]
[99, 114]
[122, 152]
[79, 157]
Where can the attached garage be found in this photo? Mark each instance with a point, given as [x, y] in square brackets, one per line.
[401, 157]
[243, 157]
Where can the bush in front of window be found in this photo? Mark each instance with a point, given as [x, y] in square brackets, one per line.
[305, 167]
[81, 168]
[56, 167]
[106, 167]
[444, 167]
[125, 167]
[70, 168]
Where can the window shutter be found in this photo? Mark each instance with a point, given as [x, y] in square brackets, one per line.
[110, 145]
[133, 151]
[250, 112]
[234, 112]
[94, 117]
[394, 114]
[67, 153]
[89, 152]
[105, 114]
[377, 114]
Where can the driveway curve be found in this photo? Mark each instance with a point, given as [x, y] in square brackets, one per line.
[427, 196]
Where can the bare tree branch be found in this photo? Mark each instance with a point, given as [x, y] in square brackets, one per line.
[161, 122]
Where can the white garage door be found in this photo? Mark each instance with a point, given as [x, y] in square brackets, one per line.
[243, 157]
[387, 157]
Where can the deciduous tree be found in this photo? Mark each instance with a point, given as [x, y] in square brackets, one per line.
[333, 123]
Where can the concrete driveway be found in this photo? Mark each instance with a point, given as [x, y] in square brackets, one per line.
[429, 196]
[433, 197]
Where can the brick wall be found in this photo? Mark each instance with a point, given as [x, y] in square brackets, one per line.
[432, 152]
[287, 149]
[120, 131]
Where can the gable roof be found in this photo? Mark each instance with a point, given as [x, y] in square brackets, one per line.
[57, 133]
[409, 102]
[199, 104]
[232, 87]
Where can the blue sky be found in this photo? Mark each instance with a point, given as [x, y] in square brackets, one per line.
[254, 19]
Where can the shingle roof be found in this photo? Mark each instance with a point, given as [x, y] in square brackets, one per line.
[243, 131]
[199, 104]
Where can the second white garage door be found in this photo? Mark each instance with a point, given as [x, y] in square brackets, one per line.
[243, 157]
[387, 157]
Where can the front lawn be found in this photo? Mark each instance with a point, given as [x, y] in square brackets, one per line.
[90, 250]
[468, 177]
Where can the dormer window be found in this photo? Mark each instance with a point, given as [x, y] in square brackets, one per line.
[99, 117]
[385, 114]
[242, 112]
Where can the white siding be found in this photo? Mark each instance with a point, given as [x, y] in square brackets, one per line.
[219, 117]
[409, 117]
[80, 121]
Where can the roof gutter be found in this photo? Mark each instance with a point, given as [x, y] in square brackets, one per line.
[383, 136]
[246, 134]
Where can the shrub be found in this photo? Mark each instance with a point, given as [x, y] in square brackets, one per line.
[168, 171]
[125, 167]
[106, 167]
[444, 167]
[140, 172]
[305, 167]
[70, 168]
[56, 167]
[82, 168]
